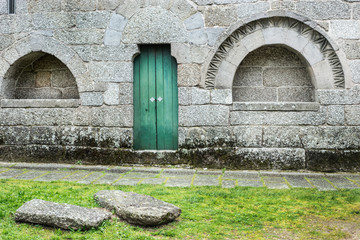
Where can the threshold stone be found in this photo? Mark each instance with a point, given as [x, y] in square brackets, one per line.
[136, 208]
[64, 216]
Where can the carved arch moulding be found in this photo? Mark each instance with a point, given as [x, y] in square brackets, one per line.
[322, 57]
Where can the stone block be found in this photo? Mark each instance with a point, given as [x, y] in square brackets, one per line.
[84, 52]
[198, 37]
[220, 16]
[15, 135]
[331, 137]
[147, 26]
[112, 38]
[248, 136]
[352, 115]
[183, 8]
[6, 41]
[188, 75]
[62, 79]
[27, 80]
[111, 71]
[345, 29]
[247, 9]
[213, 34]
[81, 117]
[254, 94]
[78, 5]
[114, 53]
[126, 93]
[312, 54]
[3, 7]
[336, 115]
[92, 19]
[46, 116]
[111, 95]
[253, 41]
[199, 96]
[184, 95]
[275, 106]
[137, 209]
[324, 10]
[39, 103]
[121, 116]
[91, 98]
[117, 22]
[203, 115]
[275, 35]
[248, 76]
[38, 93]
[11, 56]
[278, 118]
[59, 215]
[53, 20]
[185, 53]
[350, 47]
[70, 93]
[221, 96]
[39, 6]
[271, 158]
[333, 160]
[286, 76]
[333, 96]
[43, 79]
[355, 70]
[128, 8]
[80, 37]
[43, 135]
[295, 94]
[275, 137]
[225, 75]
[115, 137]
[195, 21]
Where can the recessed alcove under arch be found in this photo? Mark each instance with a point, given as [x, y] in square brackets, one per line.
[273, 73]
[39, 75]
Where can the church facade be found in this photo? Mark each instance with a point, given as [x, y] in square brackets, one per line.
[255, 84]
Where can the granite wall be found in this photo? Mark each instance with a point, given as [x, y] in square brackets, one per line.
[311, 121]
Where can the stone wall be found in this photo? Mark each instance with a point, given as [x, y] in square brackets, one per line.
[311, 122]
[272, 74]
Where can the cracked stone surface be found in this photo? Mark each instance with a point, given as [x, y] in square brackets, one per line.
[64, 216]
[136, 208]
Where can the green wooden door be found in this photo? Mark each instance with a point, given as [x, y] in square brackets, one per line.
[155, 99]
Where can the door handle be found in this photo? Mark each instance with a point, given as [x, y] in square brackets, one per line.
[159, 99]
[152, 99]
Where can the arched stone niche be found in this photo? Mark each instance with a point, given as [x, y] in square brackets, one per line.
[39, 75]
[324, 64]
[273, 74]
[34, 47]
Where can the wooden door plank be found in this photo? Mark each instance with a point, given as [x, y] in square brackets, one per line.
[160, 113]
[175, 104]
[147, 108]
[136, 101]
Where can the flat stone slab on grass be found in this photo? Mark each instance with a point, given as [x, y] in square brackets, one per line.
[64, 216]
[136, 208]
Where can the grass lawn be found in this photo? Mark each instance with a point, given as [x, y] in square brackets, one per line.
[207, 212]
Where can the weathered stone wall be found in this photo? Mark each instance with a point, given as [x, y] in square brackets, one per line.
[97, 40]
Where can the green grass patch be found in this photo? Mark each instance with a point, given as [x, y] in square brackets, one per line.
[207, 212]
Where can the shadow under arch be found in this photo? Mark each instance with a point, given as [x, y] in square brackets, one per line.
[323, 58]
[39, 75]
[35, 46]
